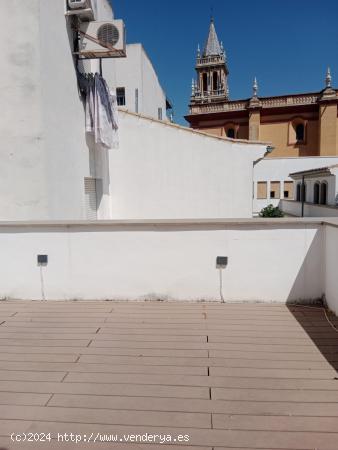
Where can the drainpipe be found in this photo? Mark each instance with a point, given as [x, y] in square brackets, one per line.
[303, 195]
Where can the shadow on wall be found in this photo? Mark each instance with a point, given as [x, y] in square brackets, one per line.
[312, 318]
[308, 284]
[313, 321]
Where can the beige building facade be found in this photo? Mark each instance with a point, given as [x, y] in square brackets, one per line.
[296, 125]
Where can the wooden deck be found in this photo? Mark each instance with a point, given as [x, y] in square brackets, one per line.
[233, 376]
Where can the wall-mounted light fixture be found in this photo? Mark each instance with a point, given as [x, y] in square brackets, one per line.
[221, 263]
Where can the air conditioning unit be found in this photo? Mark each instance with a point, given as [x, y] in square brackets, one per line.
[84, 9]
[78, 4]
[102, 39]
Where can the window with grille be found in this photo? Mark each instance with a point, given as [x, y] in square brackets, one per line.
[121, 96]
[90, 198]
[288, 189]
[275, 189]
[261, 189]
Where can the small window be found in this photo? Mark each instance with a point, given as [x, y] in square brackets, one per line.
[136, 100]
[288, 189]
[91, 205]
[231, 133]
[159, 113]
[300, 132]
[121, 96]
[261, 190]
[275, 189]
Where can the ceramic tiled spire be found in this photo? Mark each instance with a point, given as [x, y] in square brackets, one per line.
[212, 46]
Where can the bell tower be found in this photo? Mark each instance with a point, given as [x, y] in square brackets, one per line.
[211, 85]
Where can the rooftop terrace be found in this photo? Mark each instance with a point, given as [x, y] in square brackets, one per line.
[230, 376]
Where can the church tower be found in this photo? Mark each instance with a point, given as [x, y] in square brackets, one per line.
[211, 85]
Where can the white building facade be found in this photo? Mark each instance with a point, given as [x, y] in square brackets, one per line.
[137, 85]
[272, 181]
[316, 193]
[50, 169]
[45, 155]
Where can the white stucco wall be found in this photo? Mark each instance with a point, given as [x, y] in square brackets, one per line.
[294, 208]
[268, 260]
[44, 155]
[331, 278]
[166, 171]
[332, 188]
[137, 72]
[278, 169]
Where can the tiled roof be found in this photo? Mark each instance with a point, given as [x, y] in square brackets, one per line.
[212, 45]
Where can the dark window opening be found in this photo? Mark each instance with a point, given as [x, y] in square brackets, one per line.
[272, 194]
[215, 81]
[121, 96]
[323, 194]
[231, 133]
[316, 189]
[286, 194]
[298, 192]
[300, 132]
[205, 82]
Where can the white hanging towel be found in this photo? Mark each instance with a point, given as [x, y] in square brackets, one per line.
[102, 113]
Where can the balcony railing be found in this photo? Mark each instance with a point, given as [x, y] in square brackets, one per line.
[289, 100]
[206, 94]
[207, 107]
[210, 60]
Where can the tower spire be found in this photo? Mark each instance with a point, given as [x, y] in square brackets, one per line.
[328, 78]
[212, 46]
[255, 87]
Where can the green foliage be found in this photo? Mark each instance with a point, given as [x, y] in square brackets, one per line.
[271, 211]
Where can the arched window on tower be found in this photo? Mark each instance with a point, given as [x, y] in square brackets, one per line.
[215, 81]
[204, 82]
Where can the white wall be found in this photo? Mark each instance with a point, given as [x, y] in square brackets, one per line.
[268, 260]
[44, 155]
[331, 278]
[137, 72]
[278, 169]
[294, 208]
[331, 188]
[166, 171]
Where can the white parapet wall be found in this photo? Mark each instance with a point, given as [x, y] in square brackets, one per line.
[165, 171]
[269, 260]
[294, 208]
[330, 262]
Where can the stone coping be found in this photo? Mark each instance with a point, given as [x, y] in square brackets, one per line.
[175, 222]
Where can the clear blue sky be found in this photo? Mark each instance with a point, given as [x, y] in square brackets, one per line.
[286, 44]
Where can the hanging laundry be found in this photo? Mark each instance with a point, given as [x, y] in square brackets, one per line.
[101, 112]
